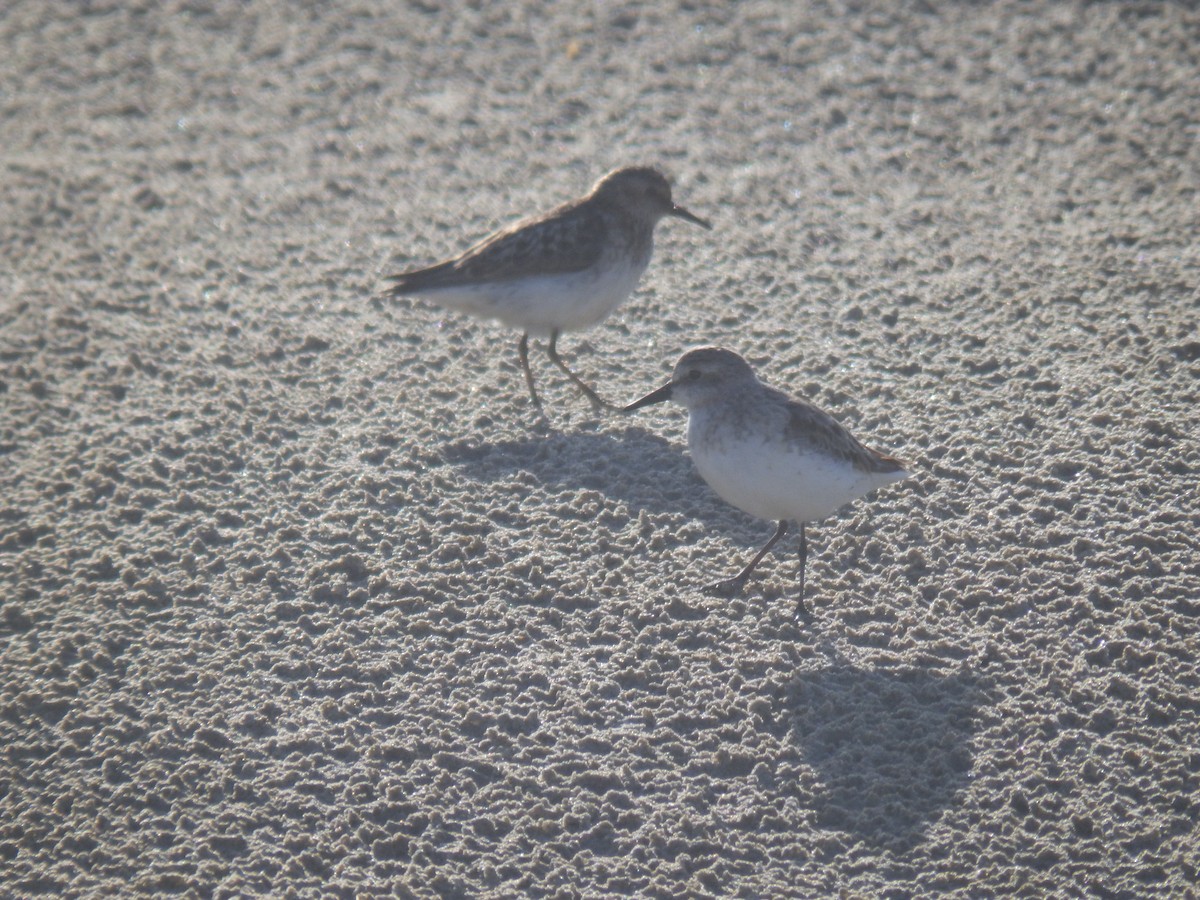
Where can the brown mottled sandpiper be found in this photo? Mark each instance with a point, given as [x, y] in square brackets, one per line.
[562, 271]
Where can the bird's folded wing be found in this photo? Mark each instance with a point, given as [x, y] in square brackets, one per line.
[568, 240]
[807, 423]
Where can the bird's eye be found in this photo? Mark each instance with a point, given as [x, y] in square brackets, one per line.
[693, 375]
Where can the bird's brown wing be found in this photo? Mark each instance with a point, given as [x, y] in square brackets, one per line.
[569, 239]
[808, 423]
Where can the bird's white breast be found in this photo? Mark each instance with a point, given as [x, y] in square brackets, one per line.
[766, 475]
[543, 303]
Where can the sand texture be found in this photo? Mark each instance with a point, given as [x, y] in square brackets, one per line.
[300, 598]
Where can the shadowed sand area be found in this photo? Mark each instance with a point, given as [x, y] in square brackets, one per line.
[298, 597]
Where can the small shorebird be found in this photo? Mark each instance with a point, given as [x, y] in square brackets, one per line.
[770, 455]
[562, 271]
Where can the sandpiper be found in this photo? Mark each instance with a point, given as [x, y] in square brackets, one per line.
[770, 455]
[562, 271]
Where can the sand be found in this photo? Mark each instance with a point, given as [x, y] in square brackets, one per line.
[301, 599]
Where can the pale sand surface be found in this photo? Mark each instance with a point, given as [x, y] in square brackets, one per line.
[299, 598]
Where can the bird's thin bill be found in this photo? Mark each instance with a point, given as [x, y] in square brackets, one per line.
[691, 217]
[663, 393]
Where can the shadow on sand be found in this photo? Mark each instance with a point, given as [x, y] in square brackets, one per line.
[892, 747]
[643, 470]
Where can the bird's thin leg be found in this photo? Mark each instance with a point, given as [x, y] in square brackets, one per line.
[523, 353]
[802, 607]
[731, 587]
[552, 350]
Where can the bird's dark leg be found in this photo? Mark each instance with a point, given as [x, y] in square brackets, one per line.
[552, 350]
[731, 587]
[801, 607]
[523, 353]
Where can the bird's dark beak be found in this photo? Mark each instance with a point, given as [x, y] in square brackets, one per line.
[684, 214]
[663, 393]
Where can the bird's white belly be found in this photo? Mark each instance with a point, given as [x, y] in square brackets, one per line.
[774, 480]
[545, 303]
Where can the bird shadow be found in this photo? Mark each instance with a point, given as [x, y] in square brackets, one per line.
[891, 746]
[638, 468]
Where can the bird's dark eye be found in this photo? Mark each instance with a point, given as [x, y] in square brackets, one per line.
[693, 375]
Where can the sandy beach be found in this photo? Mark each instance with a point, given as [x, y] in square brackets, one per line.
[301, 598]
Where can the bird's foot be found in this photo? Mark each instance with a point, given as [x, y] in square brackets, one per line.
[728, 588]
[599, 404]
[541, 421]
